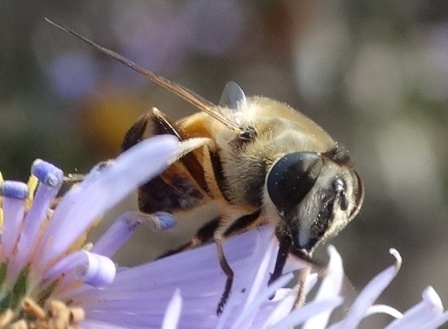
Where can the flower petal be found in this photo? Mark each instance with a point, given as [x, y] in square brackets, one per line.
[251, 310]
[13, 204]
[422, 313]
[369, 294]
[384, 309]
[123, 228]
[196, 273]
[329, 288]
[93, 269]
[301, 315]
[279, 311]
[50, 181]
[436, 323]
[97, 271]
[110, 186]
[172, 314]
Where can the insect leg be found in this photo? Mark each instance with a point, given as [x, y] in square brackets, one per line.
[301, 288]
[285, 243]
[213, 231]
[235, 226]
[203, 235]
[228, 272]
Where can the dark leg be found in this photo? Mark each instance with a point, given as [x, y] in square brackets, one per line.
[282, 255]
[207, 233]
[235, 226]
[203, 235]
[229, 273]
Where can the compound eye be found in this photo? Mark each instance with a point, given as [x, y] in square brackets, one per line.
[291, 178]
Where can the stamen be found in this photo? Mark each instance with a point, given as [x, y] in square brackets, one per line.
[59, 313]
[21, 324]
[56, 315]
[77, 314]
[32, 308]
[123, 228]
[6, 316]
[32, 185]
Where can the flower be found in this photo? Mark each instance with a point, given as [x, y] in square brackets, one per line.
[183, 291]
[48, 278]
[41, 256]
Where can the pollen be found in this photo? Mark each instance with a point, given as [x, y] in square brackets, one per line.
[32, 185]
[56, 315]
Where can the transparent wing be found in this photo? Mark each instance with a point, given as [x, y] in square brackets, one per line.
[199, 102]
[233, 96]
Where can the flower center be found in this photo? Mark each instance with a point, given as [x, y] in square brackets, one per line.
[56, 315]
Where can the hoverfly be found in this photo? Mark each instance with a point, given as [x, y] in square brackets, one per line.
[264, 162]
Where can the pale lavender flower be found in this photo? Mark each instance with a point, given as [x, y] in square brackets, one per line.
[183, 291]
[40, 257]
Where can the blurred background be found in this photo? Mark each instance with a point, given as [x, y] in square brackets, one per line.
[374, 74]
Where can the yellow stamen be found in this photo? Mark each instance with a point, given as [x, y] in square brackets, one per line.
[56, 315]
[6, 317]
[32, 185]
[21, 324]
[32, 308]
[59, 314]
[77, 314]
[81, 242]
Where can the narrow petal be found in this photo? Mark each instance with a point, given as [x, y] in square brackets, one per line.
[262, 298]
[330, 288]
[254, 281]
[93, 269]
[369, 294]
[307, 311]
[123, 228]
[97, 271]
[281, 310]
[384, 309]
[112, 185]
[172, 314]
[196, 273]
[50, 181]
[437, 322]
[89, 324]
[416, 317]
[13, 204]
